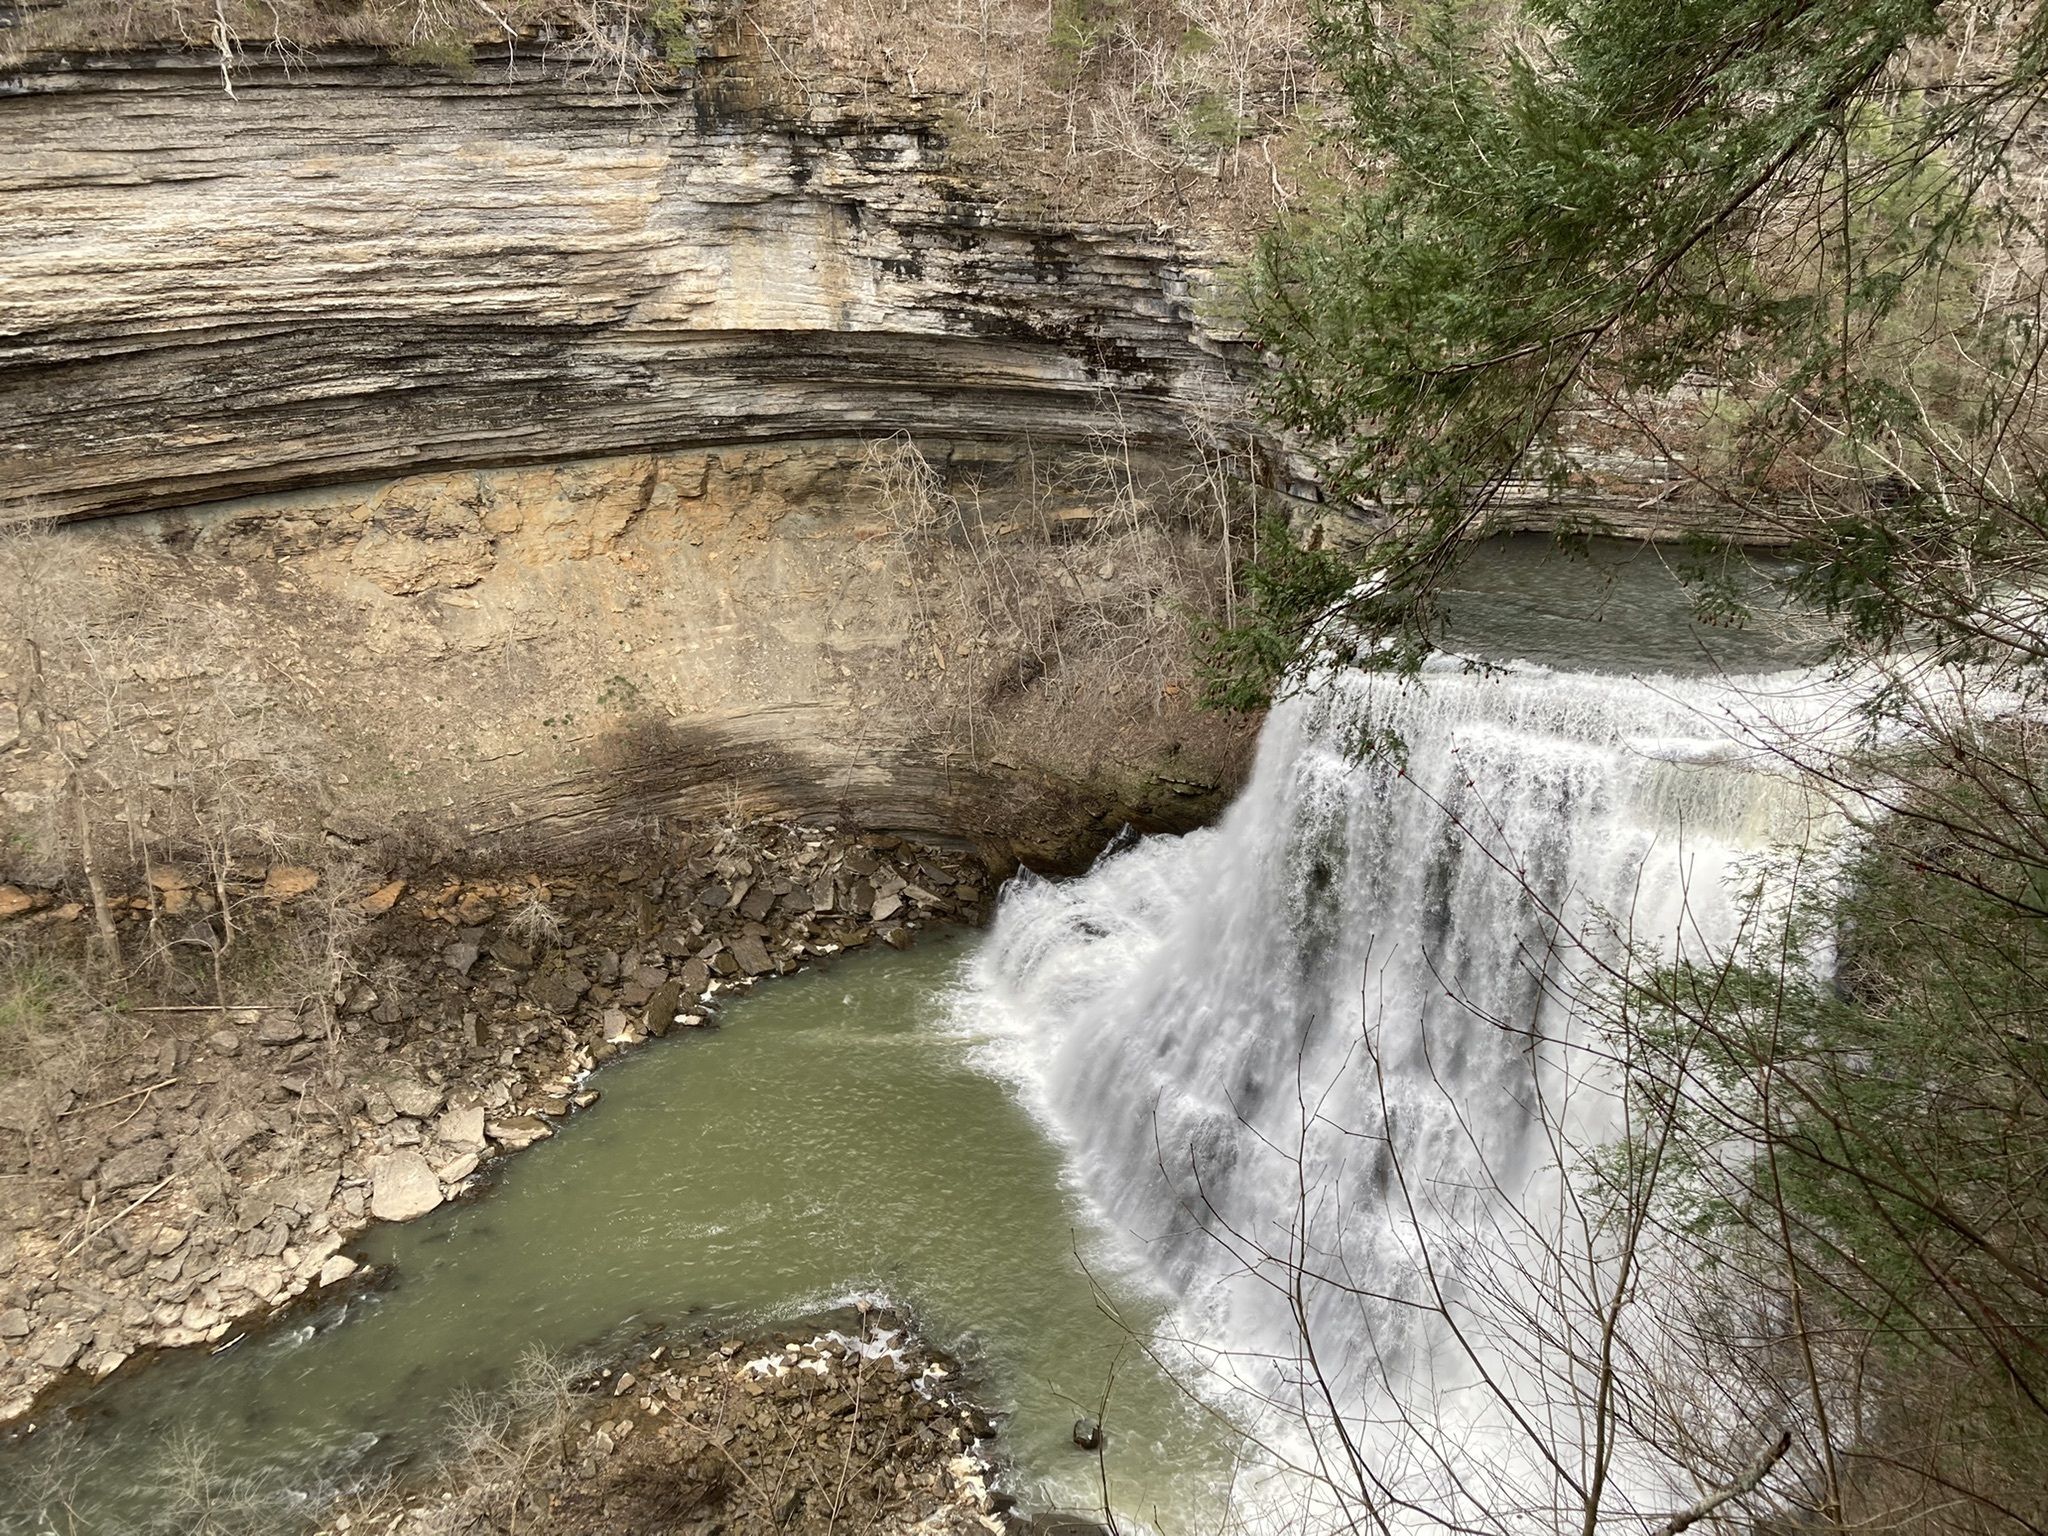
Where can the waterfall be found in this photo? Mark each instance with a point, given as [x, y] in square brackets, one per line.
[1317, 1066]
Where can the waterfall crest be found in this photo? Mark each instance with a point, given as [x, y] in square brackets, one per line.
[1318, 1065]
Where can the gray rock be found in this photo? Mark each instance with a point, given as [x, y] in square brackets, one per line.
[337, 1269]
[225, 1041]
[143, 1163]
[60, 1354]
[312, 1192]
[279, 1029]
[559, 991]
[661, 1008]
[235, 1130]
[13, 1324]
[403, 1186]
[414, 1098]
[459, 957]
[752, 955]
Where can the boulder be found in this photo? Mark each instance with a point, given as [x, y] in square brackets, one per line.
[559, 991]
[752, 955]
[661, 1008]
[235, 1130]
[462, 1128]
[403, 1186]
[338, 1268]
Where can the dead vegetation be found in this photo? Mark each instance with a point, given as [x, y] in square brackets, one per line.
[1198, 114]
[1100, 574]
[853, 1430]
[150, 758]
[1192, 113]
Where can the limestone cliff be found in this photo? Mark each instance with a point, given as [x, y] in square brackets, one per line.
[524, 433]
[351, 270]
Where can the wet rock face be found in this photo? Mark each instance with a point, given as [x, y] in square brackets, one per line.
[355, 273]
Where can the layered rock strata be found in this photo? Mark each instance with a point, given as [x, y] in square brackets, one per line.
[350, 270]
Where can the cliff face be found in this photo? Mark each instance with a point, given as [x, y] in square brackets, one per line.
[351, 270]
[525, 434]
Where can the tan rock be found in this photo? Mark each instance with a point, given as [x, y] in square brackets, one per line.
[383, 899]
[14, 901]
[463, 1128]
[519, 1131]
[288, 880]
[168, 877]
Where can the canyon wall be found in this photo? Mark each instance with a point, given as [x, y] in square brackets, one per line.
[350, 270]
[535, 439]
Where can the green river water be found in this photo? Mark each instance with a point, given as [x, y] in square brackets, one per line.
[832, 1138]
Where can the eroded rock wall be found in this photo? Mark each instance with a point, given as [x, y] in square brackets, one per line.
[511, 437]
[352, 270]
[538, 658]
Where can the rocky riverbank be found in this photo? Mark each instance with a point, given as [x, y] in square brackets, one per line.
[179, 1169]
[850, 1424]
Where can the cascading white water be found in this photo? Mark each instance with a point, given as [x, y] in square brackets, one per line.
[1322, 1062]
